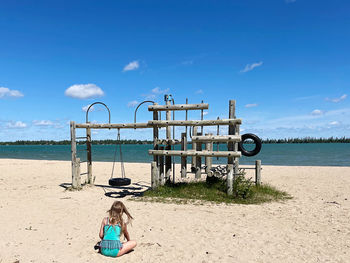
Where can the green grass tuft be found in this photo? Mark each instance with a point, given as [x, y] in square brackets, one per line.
[214, 190]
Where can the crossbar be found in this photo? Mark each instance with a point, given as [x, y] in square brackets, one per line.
[201, 106]
[113, 125]
[195, 123]
[222, 138]
[195, 153]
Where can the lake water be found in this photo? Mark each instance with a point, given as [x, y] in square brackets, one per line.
[309, 154]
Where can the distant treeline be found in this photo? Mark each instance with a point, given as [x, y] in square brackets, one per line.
[286, 140]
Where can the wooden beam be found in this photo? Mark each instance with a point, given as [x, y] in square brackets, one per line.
[195, 153]
[221, 138]
[198, 160]
[258, 172]
[183, 158]
[195, 122]
[113, 125]
[201, 106]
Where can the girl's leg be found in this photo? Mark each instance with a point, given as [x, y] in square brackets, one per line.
[127, 246]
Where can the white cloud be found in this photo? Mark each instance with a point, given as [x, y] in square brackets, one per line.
[205, 113]
[15, 125]
[334, 123]
[42, 123]
[158, 90]
[132, 66]
[336, 100]
[290, 1]
[200, 91]
[85, 108]
[154, 92]
[6, 92]
[132, 103]
[250, 67]
[317, 112]
[84, 91]
[251, 105]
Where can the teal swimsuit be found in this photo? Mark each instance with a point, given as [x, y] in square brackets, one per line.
[110, 244]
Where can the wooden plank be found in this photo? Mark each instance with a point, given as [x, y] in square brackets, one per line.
[220, 138]
[113, 125]
[229, 179]
[195, 122]
[73, 154]
[155, 136]
[176, 107]
[161, 167]
[198, 160]
[258, 172]
[89, 157]
[154, 175]
[168, 147]
[183, 158]
[208, 160]
[194, 147]
[195, 153]
[231, 128]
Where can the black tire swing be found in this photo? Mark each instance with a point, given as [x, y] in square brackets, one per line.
[119, 181]
[256, 141]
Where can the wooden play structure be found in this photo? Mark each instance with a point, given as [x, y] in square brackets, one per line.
[163, 165]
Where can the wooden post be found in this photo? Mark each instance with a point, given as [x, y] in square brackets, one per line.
[184, 158]
[198, 160]
[74, 154]
[168, 147]
[208, 160]
[258, 172]
[154, 175]
[233, 130]
[155, 136]
[161, 168]
[230, 179]
[78, 178]
[194, 147]
[89, 158]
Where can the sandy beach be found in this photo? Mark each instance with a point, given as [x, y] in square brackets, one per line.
[41, 222]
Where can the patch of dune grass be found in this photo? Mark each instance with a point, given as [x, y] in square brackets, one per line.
[214, 190]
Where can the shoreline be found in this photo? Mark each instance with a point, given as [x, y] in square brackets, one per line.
[41, 222]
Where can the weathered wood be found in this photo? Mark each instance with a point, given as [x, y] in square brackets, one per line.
[195, 153]
[155, 136]
[113, 125]
[168, 147]
[220, 138]
[201, 106]
[184, 158]
[89, 157]
[229, 179]
[208, 160]
[231, 128]
[78, 178]
[73, 154]
[198, 160]
[161, 167]
[195, 122]
[258, 172]
[194, 147]
[154, 175]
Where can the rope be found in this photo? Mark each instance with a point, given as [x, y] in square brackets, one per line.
[121, 156]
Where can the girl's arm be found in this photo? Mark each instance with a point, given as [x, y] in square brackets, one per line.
[126, 233]
[102, 228]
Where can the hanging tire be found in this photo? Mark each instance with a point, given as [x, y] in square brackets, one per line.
[119, 181]
[257, 143]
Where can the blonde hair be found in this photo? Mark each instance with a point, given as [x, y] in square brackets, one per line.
[116, 214]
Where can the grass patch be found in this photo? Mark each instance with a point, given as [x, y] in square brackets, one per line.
[214, 190]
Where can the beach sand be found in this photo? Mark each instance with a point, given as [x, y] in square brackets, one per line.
[41, 222]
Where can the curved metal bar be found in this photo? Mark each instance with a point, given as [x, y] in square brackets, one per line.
[98, 102]
[150, 101]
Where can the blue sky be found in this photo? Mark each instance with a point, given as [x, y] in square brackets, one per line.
[285, 62]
